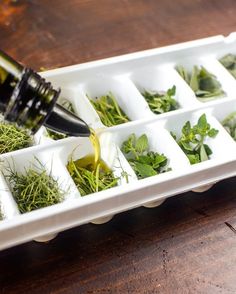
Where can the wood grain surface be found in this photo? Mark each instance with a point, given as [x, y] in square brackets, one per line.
[187, 245]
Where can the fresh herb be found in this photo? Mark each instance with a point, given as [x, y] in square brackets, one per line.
[109, 111]
[56, 135]
[193, 138]
[229, 123]
[34, 189]
[13, 138]
[145, 163]
[160, 102]
[89, 178]
[204, 84]
[229, 62]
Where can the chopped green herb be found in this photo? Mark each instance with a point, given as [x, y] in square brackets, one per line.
[145, 163]
[34, 189]
[13, 138]
[193, 138]
[109, 111]
[229, 123]
[229, 62]
[204, 84]
[160, 102]
[55, 135]
[89, 178]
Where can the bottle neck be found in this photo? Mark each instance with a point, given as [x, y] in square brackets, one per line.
[31, 101]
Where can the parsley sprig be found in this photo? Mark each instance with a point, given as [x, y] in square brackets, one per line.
[160, 102]
[192, 140]
[145, 163]
[204, 84]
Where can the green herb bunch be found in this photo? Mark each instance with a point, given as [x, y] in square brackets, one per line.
[193, 138]
[229, 123]
[1, 214]
[109, 111]
[13, 138]
[145, 163]
[204, 84]
[35, 189]
[160, 102]
[55, 135]
[91, 179]
[229, 62]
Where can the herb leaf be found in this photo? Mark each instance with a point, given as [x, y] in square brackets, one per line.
[35, 189]
[229, 123]
[193, 138]
[204, 84]
[160, 102]
[229, 62]
[108, 110]
[13, 138]
[145, 163]
[90, 179]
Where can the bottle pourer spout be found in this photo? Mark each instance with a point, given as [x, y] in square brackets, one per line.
[63, 121]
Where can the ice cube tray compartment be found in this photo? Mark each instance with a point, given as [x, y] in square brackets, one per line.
[161, 79]
[126, 77]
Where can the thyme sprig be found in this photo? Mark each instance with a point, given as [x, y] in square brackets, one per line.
[204, 84]
[108, 110]
[89, 178]
[192, 140]
[13, 138]
[144, 162]
[34, 189]
[160, 102]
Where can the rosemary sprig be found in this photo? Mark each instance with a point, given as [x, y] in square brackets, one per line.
[13, 138]
[109, 111]
[35, 189]
[204, 84]
[229, 123]
[90, 179]
[55, 135]
[229, 62]
[160, 102]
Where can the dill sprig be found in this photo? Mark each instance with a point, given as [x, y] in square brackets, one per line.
[90, 179]
[35, 189]
[13, 138]
[109, 111]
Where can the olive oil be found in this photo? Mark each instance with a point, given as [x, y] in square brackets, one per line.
[96, 146]
[88, 163]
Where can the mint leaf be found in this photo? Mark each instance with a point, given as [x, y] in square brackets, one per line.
[141, 144]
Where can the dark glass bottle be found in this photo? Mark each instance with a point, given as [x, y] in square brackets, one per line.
[29, 101]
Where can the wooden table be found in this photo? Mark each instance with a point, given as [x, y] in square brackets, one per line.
[187, 245]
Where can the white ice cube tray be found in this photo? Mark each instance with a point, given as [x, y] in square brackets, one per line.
[126, 77]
